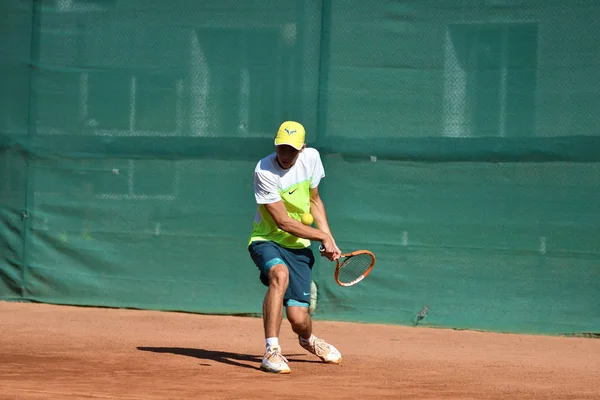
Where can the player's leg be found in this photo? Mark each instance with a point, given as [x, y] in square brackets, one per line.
[273, 274]
[297, 301]
[299, 319]
[297, 296]
[278, 277]
[301, 323]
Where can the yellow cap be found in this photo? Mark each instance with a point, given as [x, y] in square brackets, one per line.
[290, 133]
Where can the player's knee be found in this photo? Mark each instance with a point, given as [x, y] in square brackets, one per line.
[298, 316]
[279, 276]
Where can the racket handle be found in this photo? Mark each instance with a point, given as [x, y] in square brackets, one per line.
[321, 247]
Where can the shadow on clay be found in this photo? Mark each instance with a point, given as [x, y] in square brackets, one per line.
[235, 359]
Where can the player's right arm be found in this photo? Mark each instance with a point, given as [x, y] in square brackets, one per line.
[266, 193]
[294, 227]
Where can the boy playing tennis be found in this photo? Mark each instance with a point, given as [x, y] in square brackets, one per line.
[286, 187]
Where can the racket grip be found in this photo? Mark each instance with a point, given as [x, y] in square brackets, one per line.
[321, 247]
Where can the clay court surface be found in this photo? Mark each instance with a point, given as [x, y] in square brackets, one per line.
[59, 352]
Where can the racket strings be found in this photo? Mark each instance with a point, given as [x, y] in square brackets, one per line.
[354, 267]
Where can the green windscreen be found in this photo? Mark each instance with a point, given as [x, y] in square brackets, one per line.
[460, 140]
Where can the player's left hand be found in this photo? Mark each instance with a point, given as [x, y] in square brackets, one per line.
[330, 250]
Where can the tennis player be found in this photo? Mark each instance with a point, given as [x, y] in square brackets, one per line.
[286, 187]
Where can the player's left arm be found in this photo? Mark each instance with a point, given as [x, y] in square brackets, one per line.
[317, 209]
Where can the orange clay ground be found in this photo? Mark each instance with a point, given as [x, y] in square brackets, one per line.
[57, 352]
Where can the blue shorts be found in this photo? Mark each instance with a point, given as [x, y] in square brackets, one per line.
[299, 262]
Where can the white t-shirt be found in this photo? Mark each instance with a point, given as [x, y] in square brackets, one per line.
[292, 186]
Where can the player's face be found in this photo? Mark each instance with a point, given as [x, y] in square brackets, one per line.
[287, 155]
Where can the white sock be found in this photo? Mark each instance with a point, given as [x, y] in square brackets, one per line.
[272, 341]
[310, 340]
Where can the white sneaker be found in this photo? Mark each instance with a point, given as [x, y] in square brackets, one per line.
[326, 352]
[274, 361]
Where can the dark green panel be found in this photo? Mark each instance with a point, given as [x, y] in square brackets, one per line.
[504, 247]
[461, 144]
[13, 182]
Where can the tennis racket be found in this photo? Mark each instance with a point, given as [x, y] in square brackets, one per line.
[352, 268]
